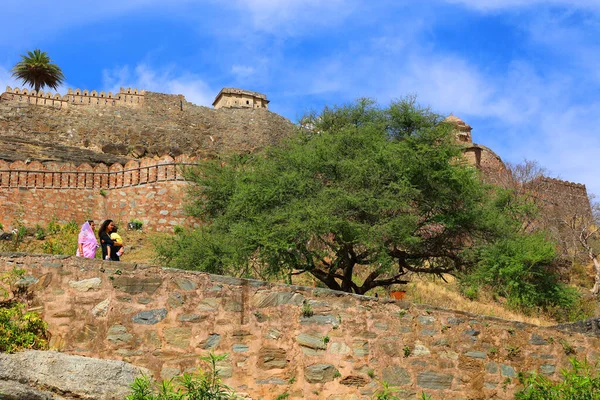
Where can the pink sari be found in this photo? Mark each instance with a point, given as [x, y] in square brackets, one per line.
[88, 241]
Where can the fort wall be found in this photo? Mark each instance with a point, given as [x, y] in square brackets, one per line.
[149, 190]
[140, 124]
[164, 319]
[125, 98]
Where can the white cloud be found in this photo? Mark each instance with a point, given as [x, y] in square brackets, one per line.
[495, 5]
[291, 16]
[167, 80]
[242, 71]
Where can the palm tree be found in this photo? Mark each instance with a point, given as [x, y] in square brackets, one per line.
[36, 69]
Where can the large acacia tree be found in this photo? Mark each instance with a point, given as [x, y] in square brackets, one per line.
[37, 70]
[383, 190]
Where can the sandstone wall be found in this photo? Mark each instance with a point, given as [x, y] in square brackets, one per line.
[149, 190]
[160, 124]
[164, 319]
[125, 98]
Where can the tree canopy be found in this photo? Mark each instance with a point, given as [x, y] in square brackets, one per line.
[360, 191]
[37, 70]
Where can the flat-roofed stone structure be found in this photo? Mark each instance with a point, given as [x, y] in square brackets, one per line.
[240, 98]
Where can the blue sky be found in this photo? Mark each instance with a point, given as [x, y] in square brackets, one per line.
[523, 73]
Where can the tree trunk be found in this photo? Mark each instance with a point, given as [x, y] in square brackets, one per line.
[596, 287]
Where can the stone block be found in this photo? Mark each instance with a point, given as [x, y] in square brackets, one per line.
[150, 317]
[434, 380]
[136, 285]
[396, 376]
[320, 373]
[272, 358]
[86, 284]
[178, 337]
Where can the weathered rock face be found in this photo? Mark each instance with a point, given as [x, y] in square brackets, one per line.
[45, 375]
[165, 124]
[170, 318]
[17, 148]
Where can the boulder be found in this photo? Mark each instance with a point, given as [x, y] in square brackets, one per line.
[52, 375]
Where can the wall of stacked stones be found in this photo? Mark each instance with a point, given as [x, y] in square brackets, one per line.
[149, 190]
[124, 98]
[163, 124]
[165, 319]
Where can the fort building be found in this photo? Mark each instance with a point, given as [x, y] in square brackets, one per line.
[239, 98]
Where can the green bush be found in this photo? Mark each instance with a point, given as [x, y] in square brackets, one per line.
[20, 330]
[581, 382]
[200, 386]
[520, 268]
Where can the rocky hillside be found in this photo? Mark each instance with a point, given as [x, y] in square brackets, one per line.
[166, 124]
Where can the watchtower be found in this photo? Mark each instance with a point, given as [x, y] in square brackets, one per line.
[239, 98]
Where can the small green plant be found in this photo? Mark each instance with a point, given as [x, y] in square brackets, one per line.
[325, 339]
[371, 373]
[21, 330]
[70, 227]
[40, 233]
[401, 313]
[445, 328]
[307, 310]
[103, 193]
[178, 229]
[202, 385]
[513, 351]
[511, 331]
[292, 380]
[135, 225]
[425, 396]
[407, 351]
[581, 381]
[282, 396]
[337, 374]
[1, 227]
[550, 340]
[505, 383]
[567, 347]
[53, 227]
[386, 392]
[493, 351]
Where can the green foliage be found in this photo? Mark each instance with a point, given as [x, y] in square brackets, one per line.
[70, 227]
[580, 382]
[513, 351]
[37, 70]
[136, 224]
[200, 386]
[407, 351]
[283, 396]
[386, 392]
[519, 268]
[365, 187]
[19, 330]
[103, 193]
[40, 233]
[307, 310]
[53, 226]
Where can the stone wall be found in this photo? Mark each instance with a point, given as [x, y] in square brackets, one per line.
[161, 124]
[149, 190]
[164, 319]
[125, 98]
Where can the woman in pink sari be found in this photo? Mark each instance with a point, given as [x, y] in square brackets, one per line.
[87, 243]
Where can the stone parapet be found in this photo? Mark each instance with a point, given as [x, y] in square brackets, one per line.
[164, 319]
[126, 97]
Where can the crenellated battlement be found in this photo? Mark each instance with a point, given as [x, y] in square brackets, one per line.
[52, 175]
[559, 182]
[126, 97]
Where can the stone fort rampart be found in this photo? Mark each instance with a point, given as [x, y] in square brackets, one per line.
[149, 190]
[163, 319]
[126, 97]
